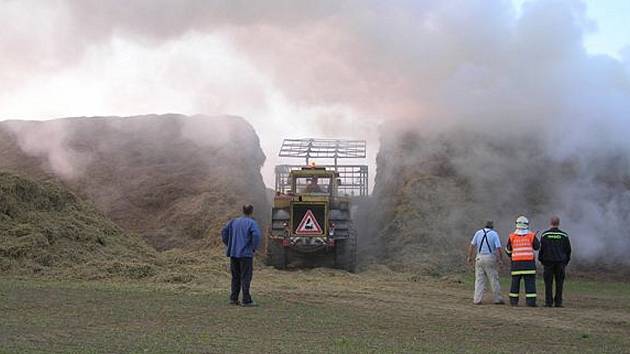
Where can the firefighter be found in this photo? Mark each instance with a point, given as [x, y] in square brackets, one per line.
[520, 247]
[555, 254]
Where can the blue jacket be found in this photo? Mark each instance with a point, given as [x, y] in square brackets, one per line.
[241, 236]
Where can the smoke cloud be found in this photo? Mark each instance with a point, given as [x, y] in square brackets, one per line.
[49, 142]
[533, 109]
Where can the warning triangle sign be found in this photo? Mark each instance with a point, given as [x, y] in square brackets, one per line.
[309, 225]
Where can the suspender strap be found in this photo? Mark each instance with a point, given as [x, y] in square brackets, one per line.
[485, 238]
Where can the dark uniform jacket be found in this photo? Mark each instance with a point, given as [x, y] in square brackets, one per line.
[555, 247]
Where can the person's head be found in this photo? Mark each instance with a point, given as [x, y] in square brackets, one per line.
[522, 225]
[248, 209]
[554, 221]
[314, 180]
[490, 224]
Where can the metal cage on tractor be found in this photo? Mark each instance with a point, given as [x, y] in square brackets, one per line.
[353, 179]
[311, 215]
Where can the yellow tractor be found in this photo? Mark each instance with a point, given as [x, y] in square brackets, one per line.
[311, 221]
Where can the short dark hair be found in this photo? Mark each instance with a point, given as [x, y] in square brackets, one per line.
[248, 209]
[554, 221]
[490, 224]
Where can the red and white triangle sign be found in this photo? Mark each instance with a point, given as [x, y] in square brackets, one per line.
[309, 225]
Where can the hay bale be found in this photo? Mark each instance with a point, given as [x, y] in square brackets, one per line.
[48, 230]
[433, 191]
[175, 180]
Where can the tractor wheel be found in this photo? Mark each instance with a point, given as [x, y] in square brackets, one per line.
[346, 253]
[276, 254]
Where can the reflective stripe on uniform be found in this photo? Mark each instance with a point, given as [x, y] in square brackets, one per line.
[521, 249]
[554, 235]
[513, 295]
[523, 254]
[523, 272]
[530, 295]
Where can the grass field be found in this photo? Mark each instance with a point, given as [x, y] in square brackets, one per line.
[316, 311]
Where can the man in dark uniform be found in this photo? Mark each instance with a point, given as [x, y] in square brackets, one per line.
[555, 254]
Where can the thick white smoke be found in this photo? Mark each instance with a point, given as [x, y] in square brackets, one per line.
[432, 66]
[50, 143]
[436, 64]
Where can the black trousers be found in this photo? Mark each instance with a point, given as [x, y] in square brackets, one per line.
[530, 288]
[553, 271]
[242, 271]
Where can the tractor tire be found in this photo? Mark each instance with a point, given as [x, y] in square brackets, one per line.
[276, 255]
[346, 253]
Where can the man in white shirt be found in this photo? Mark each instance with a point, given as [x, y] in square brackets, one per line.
[487, 245]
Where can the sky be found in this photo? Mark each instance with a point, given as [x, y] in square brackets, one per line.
[90, 58]
[610, 32]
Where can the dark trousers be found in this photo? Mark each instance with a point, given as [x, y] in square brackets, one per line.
[530, 288]
[242, 271]
[553, 270]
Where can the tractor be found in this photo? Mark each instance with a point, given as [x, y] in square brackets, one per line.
[311, 218]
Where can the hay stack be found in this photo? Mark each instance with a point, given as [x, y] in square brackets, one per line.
[170, 178]
[433, 191]
[47, 230]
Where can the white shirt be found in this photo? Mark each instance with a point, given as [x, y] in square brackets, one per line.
[493, 241]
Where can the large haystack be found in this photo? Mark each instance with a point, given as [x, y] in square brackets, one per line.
[47, 230]
[433, 191]
[173, 179]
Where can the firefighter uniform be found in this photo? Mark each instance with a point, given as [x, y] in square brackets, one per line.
[555, 254]
[520, 247]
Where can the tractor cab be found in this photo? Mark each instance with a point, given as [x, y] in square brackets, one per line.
[315, 181]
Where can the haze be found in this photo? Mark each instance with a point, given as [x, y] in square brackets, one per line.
[325, 68]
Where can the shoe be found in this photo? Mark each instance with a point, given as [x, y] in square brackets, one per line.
[249, 304]
[234, 302]
[477, 303]
[548, 305]
[500, 302]
[559, 305]
[533, 305]
[514, 305]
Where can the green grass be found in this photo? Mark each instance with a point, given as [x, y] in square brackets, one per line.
[580, 285]
[85, 317]
[332, 312]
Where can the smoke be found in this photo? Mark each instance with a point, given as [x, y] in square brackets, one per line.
[510, 99]
[435, 63]
[49, 141]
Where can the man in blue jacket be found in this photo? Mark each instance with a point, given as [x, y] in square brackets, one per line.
[241, 237]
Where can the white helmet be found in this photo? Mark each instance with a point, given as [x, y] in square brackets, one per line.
[522, 225]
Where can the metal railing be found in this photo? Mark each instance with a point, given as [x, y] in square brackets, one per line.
[323, 149]
[353, 179]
